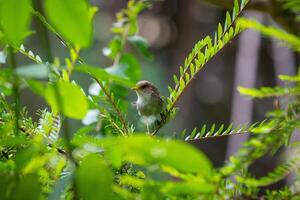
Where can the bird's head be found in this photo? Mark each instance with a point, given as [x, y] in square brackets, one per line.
[144, 88]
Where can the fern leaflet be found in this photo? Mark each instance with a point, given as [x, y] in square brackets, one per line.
[202, 52]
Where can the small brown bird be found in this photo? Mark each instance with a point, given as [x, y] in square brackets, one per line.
[149, 103]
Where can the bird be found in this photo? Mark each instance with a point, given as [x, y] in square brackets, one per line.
[149, 103]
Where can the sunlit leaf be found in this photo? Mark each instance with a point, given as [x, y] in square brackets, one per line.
[141, 45]
[67, 98]
[72, 19]
[14, 20]
[94, 179]
[103, 75]
[146, 151]
[128, 67]
[28, 188]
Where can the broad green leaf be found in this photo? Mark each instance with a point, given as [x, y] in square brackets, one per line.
[67, 98]
[33, 71]
[288, 39]
[28, 188]
[128, 68]
[36, 86]
[94, 179]
[14, 20]
[72, 19]
[103, 75]
[113, 48]
[141, 45]
[144, 150]
[187, 188]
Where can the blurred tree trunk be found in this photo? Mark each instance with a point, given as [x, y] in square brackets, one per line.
[284, 63]
[245, 75]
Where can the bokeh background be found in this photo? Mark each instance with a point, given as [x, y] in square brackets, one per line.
[172, 27]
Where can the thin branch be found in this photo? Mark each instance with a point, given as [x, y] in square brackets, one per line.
[168, 111]
[177, 98]
[217, 136]
[16, 92]
[66, 44]
[110, 99]
[52, 29]
[24, 130]
[259, 5]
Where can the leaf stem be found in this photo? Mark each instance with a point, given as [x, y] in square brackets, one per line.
[110, 99]
[16, 90]
[169, 110]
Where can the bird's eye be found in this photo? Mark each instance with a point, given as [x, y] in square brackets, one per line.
[143, 86]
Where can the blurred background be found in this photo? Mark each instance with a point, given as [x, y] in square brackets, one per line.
[172, 27]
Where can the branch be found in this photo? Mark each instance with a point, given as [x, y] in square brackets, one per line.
[112, 102]
[198, 58]
[260, 5]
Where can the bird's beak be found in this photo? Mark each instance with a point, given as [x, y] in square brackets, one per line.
[135, 88]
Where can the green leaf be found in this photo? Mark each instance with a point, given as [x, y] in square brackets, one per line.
[236, 9]
[288, 39]
[67, 98]
[220, 31]
[114, 47]
[141, 45]
[14, 20]
[36, 86]
[72, 19]
[94, 179]
[33, 71]
[187, 188]
[28, 188]
[103, 75]
[128, 68]
[144, 150]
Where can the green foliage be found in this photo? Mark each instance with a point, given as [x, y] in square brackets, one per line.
[221, 131]
[272, 177]
[14, 20]
[72, 102]
[203, 51]
[94, 178]
[287, 38]
[103, 75]
[107, 158]
[72, 18]
[264, 92]
[293, 5]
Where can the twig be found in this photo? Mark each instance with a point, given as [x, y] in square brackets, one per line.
[260, 5]
[24, 130]
[109, 97]
[69, 46]
[16, 92]
[217, 136]
[168, 111]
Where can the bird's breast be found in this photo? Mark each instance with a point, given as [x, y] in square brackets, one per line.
[148, 106]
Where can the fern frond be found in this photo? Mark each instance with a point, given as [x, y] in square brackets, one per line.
[29, 54]
[289, 78]
[293, 5]
[267, 139]
[49, 126]
[288, 39]
[265, 92]
[115, 105]
[272, 177]
[222, 131]
[202, 52]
